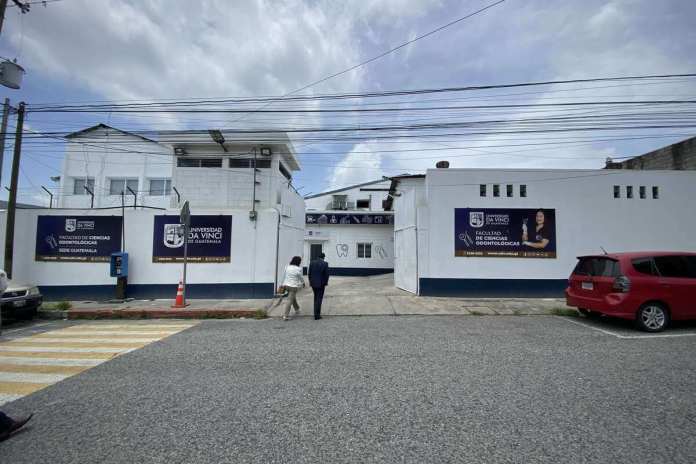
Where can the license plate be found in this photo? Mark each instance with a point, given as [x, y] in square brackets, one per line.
[587, 286]
[19, 303]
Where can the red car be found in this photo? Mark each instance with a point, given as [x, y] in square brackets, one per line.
[650, 288]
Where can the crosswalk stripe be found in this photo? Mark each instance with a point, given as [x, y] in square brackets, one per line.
[5, 398]
[54, 349]
[41, 368]
[69, 344]
[21, 388]
[24, 361]
[93, 338]
[45, 354]
[104, 333]
[31, 377]
[150, 327]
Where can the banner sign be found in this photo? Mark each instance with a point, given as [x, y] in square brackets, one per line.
[348, 218]
[508, 233]
[77, 238]
[209, 241]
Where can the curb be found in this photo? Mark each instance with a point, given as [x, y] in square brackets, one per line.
[52, 315]
[104, 313]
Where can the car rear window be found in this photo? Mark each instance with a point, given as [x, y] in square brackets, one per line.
[675, 266]
[599, 267]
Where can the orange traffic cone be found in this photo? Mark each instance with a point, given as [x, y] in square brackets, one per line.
[179, 302]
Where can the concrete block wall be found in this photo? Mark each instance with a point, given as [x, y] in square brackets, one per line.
[678, 156]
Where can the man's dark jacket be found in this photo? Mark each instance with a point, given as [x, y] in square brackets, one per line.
[318, 273]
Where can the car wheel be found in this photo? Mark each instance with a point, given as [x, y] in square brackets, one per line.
[652, 317]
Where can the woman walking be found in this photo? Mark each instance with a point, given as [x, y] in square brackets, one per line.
[292, 283]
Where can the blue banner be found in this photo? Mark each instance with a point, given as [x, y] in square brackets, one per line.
[348, 218]
[209, 241]
[511, 233]
[77, 238]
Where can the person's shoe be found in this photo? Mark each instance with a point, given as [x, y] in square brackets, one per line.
[317, 318]
[16, 425]
[286, 318]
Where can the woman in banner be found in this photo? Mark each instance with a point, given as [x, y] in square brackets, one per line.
[541, 235]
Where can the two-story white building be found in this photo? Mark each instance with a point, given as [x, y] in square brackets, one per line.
[247, 220]
[352, 227]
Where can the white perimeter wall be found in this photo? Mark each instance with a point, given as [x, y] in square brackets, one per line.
[252, 259]
[587, 217]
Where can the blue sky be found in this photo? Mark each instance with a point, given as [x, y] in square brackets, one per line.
[94, 50]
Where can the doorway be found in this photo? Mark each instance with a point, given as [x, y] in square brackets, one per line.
[315, 250]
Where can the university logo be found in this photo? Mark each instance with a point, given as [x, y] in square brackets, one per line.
[476, 219]
[173, 235]
[70, 225]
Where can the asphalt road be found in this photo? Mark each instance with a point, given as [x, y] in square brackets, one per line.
[374, 389]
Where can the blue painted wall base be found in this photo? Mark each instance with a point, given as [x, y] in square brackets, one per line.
[157, 291]
[494, 288]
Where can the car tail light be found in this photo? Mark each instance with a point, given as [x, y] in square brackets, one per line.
[622, 284]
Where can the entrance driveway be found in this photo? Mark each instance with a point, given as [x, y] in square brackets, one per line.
[376, 295]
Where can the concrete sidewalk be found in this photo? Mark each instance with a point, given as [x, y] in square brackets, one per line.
[345, 296]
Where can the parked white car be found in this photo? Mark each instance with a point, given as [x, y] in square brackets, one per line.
[19, 301]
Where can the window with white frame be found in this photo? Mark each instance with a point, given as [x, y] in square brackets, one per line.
[118, 186]
[160, 187]
[364, 250]
[81, 183]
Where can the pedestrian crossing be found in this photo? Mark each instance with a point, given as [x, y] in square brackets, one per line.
[31, 363]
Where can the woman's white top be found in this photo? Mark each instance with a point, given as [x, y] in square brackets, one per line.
[293, 277]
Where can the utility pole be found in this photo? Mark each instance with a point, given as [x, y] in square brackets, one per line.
[3, 130]
[12, 201]
[3, 7]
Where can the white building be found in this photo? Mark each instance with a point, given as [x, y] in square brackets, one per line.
[243, 232]
[107, 161]
[459, 232]
[352, 228]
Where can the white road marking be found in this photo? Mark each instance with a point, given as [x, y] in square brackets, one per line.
[29, 327]
[630, 337]
[6, 398]
[53, 349]
[31, 377]
[49, 361]
[106, 333]
[42, 340]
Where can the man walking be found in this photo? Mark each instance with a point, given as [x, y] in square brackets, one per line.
[318, 280]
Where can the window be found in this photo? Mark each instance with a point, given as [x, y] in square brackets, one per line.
[629, 191]
[364, 250]
[118, 186]
[599, 267]
[656, 192]
[645, 266]
[482, 190]
[672, 266]
[199, 162]
[362, 204]
[496, 190]
[160, 187]
[249, 163]
[79, 186]
[509, 190]
[339, 202]
[523, 191]
[617, 191]
[641, 192]
[284, 171]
